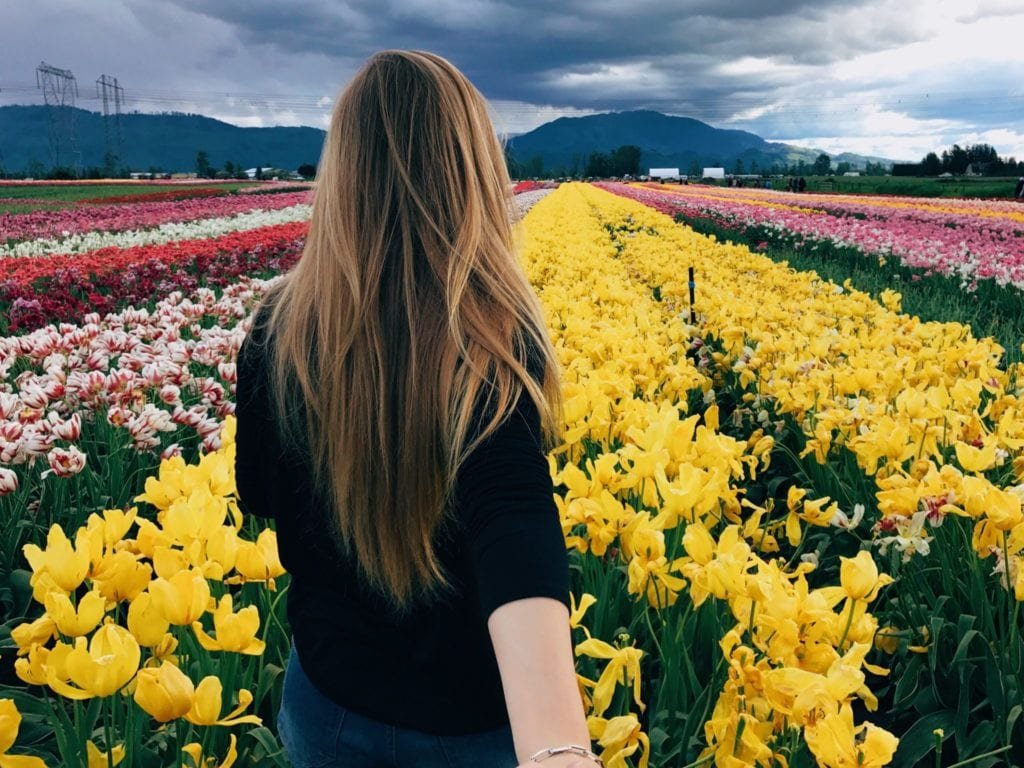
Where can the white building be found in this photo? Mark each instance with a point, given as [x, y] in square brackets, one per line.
[713, 173]
[664, 173]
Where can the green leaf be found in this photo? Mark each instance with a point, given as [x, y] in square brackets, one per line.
[907, 685]
[1011, 721]
[919, 740]
[982, 739]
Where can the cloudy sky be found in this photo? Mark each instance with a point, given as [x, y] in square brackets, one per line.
[893, 78]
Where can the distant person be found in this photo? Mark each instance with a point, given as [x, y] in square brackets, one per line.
[801, 184]
[1018, 191]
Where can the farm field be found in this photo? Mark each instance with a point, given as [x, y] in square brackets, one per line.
[793, 510]
[22, 197]
[912, 186]
[959, 260]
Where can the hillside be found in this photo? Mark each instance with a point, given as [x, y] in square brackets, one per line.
[664, 140]
[170, 142]
[165, 141]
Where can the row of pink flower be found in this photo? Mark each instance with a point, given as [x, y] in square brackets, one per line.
[964, 246]
[830, 200]
[131, 216]
[155, 377]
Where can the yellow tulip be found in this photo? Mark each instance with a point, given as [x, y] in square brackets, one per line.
[195, 517]
[165, 692]
[75, 621]
[33, 633]
[168, 561]
[183, 598]
[221, 551]
[99, 759]
[620, 737]
[836, 743]
[120, 576]
[860, 578]
[236, 632]
[33, 667]
[623, 667]
[206, 705]
[195, 752]
[100, 668]
[10, 723]
[976, 459]
[577, 611]
[113, 525]
[259, 561]
[146, 621]
[66, 564]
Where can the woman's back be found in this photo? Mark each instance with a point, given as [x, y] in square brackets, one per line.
[431, 667]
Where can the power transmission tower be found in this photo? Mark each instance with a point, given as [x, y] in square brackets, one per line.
[60, 89]
[109, 91]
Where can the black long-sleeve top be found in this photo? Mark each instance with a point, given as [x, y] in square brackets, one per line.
[432, 669]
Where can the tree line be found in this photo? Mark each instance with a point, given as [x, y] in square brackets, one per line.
[981, 159]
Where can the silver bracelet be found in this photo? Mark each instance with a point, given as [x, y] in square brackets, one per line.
[574, 749]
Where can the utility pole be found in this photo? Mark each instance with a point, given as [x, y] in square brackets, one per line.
[109, 91]
[60, 89]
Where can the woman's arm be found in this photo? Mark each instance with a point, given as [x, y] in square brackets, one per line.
[533, 646]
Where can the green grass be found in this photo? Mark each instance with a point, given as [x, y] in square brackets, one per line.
[991, 310]
[918, 187]
[55, 196]
[907, 186]
[76, 192]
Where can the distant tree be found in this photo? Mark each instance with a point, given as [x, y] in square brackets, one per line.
[36, 169]
[229, 169]
[874, 169]
[753, 166]
[843, 167]
[307, 170]
[695, 170]
[931, 165]
[599, 165]
[259, 173]
[203, 167]
[535, 167]
[738, 167]
[822, 165]
[955, 159]
[625, 161]
[576, 167]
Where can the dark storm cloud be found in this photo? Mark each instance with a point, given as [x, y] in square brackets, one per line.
[785, 69]
[542, 52]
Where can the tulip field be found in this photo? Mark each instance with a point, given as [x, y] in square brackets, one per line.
[793, 509]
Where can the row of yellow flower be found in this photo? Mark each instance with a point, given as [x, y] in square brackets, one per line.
[659, 491]
[924, 407]
[137, 623]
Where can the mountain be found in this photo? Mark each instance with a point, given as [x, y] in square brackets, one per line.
[665, 142]
[167, 142]
[170, 142]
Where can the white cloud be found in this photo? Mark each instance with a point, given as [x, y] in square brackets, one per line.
[514, 117]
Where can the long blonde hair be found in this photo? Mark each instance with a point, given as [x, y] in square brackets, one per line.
[407, 312]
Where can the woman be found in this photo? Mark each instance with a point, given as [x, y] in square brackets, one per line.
[396, 396]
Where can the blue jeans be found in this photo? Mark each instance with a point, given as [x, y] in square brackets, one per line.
[317, 733]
